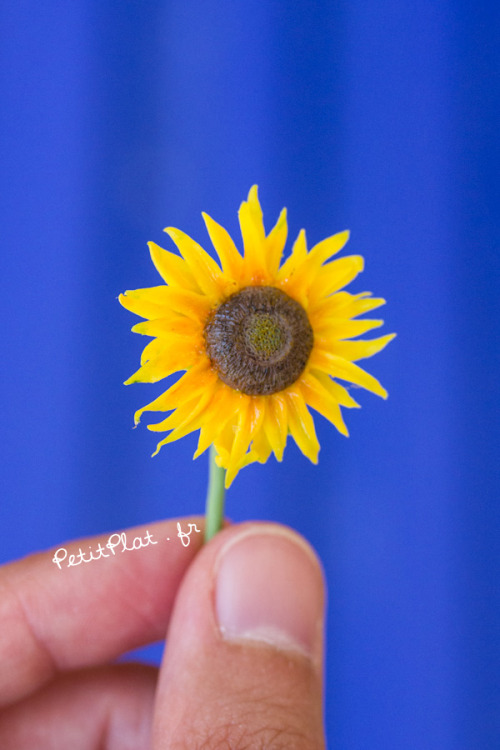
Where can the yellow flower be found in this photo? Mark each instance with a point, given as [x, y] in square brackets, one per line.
[260, 342]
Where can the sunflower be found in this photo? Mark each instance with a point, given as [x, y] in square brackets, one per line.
[260, 341]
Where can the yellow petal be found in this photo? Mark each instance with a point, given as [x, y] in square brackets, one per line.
[275, 424]
[256, 210]
[192, 305]
[319, 398]
[172, 343]
[337, 391]
[249, 421]
[147, 303]
[222, 409]
[176, 418]
[296, 258]
[318, 281]
[252, 231]
[175, 324]
[173, 269]
[343, 303]
[183, 418]
[230, 258]
[301, 425]
[197, 379]
[260, 447]
[152, 350]
[159, 302]
[248, 458]
[308, 271]
[165, 363]
[338, 367]
[157, 295]
[205, 439]
[275, 243]
[354, 350]
[324, 250]
[342, 328]
[204, 268]
[241, 439]
[362, 303]
[336, 275]
[191, 425]
[224, 441]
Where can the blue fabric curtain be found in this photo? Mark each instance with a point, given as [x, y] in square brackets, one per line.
[118, 119]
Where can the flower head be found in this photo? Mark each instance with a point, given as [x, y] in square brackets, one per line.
[260, 341]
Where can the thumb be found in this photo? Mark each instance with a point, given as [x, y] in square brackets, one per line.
[243, 662]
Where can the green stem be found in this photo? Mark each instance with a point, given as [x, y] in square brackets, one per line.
[214, 517]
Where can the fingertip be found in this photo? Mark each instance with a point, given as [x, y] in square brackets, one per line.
[247, 629]
[269, 588]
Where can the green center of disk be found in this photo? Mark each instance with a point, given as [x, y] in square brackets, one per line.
[265, 335]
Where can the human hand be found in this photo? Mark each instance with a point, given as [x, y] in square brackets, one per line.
[243, 662]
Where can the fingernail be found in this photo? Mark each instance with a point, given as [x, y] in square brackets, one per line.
[269, 588]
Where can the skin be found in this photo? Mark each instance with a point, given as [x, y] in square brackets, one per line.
[243, 662]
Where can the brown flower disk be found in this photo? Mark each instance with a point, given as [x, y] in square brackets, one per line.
[259, 340]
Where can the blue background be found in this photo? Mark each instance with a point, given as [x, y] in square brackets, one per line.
[119, 118]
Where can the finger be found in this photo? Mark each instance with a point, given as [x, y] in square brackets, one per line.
[56, 618]
[243, 663]
[104, 707]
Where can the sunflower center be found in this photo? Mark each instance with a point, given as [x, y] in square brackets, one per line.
[259, 340]
[265, 336]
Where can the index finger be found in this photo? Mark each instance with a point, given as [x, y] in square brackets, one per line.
[89, 601]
